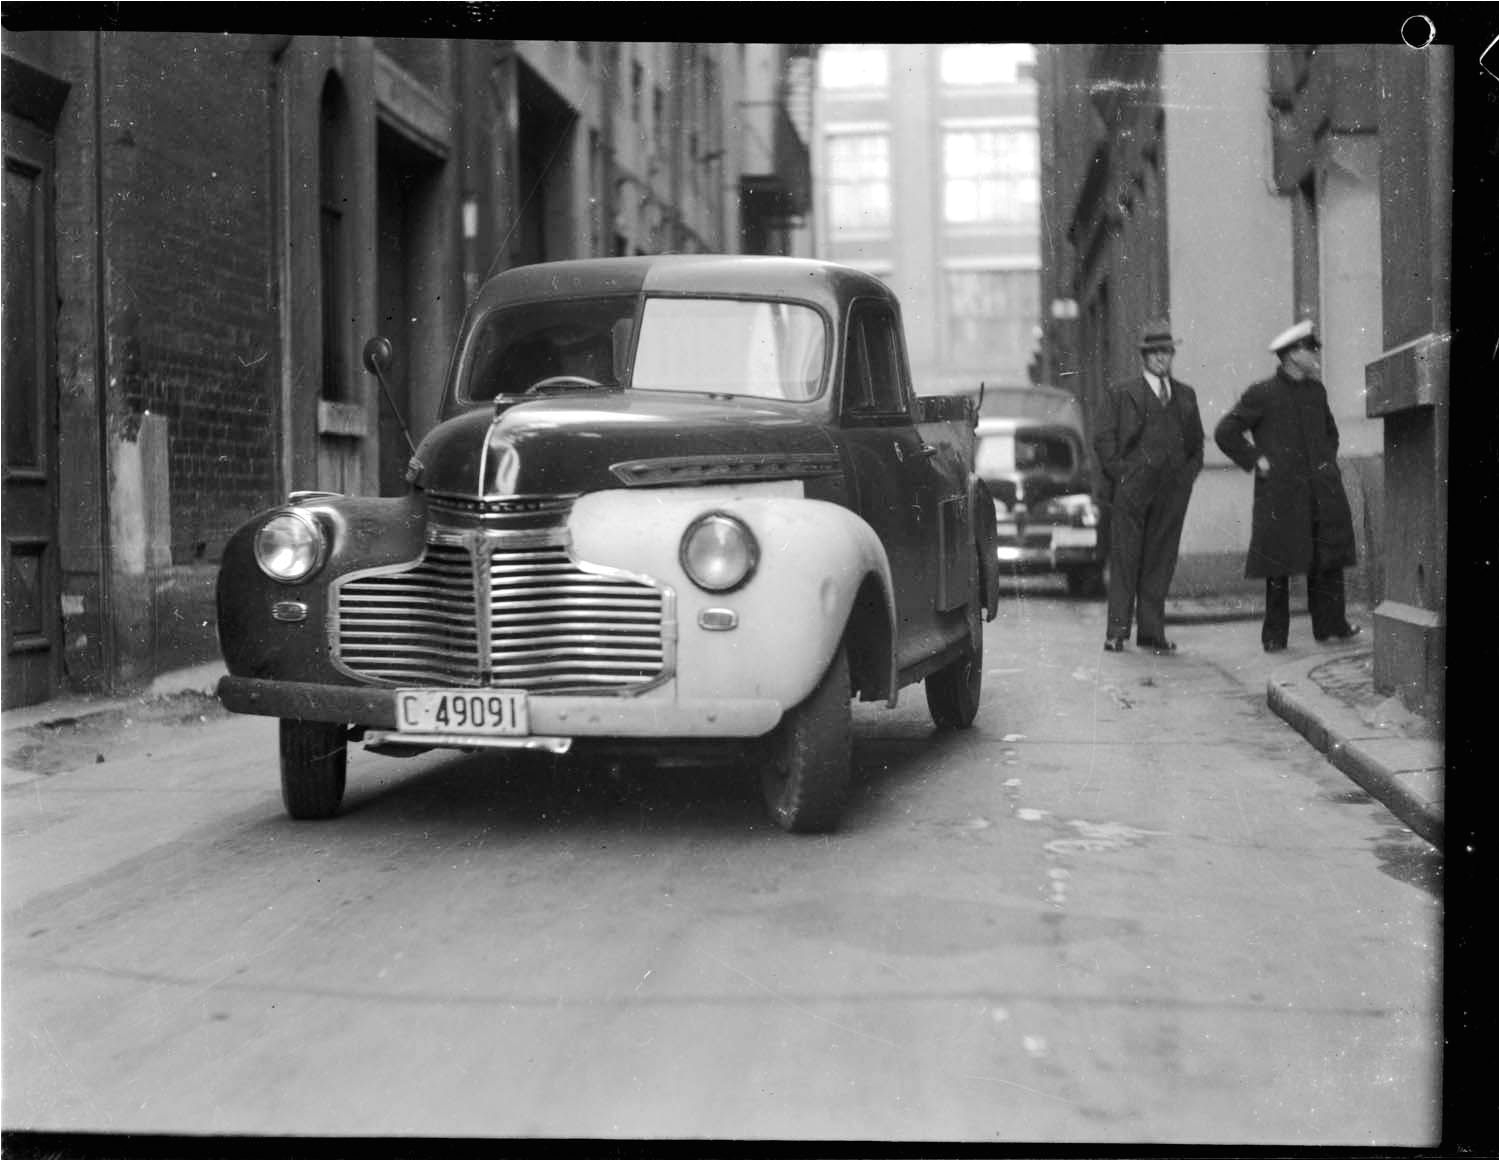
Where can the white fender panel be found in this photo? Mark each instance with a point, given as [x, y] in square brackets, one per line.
[814, 556]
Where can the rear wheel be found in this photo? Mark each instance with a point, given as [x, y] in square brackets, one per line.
[314, 761]
[953, 691]
[806, 780]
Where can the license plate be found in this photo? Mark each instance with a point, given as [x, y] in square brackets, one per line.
[1075, 537]
[462, 711]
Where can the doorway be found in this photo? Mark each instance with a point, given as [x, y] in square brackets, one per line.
[409, 289]
[32, 617]
[544, 183]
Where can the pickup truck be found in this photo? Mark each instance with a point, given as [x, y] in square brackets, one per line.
[681, 505]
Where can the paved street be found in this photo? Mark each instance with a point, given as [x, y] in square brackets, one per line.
[1130, 905]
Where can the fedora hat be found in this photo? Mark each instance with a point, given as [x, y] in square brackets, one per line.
[1302, 332]
[1157, 334]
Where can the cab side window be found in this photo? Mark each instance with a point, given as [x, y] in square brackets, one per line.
[872, 364]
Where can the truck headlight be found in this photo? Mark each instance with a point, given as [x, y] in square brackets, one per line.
[718, 552]
[290, 546]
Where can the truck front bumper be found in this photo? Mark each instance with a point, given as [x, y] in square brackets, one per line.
[553, 716]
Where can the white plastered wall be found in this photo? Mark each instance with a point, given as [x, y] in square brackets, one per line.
[1230, 258]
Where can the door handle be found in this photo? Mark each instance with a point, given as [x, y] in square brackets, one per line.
[926, 451]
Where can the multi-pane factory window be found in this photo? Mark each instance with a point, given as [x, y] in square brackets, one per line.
[987, 64]
[991, 315]
[990, 175]
[859, 181]
[853, 66]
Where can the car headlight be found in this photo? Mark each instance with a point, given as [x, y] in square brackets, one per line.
[718, 552]
[290, 546]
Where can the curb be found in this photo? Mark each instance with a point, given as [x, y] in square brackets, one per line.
[1403, 774]
[1190, 611]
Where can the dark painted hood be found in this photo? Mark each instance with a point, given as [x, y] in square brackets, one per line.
[571, 444]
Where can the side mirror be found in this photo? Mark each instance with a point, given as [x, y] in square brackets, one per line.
[378, 355]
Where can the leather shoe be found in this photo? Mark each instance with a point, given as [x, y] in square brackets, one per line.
[1114, 644]
[1273, 646]
[1350, 632]
[1157, 645]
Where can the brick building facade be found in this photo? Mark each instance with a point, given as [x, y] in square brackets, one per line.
[202, 230]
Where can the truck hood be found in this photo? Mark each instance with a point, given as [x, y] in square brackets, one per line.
[582, 443]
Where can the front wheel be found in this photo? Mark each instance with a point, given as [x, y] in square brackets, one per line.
[807, 778]
[314, 761]
[953, 691]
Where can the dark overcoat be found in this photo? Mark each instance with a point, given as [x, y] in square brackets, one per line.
[1289, 422]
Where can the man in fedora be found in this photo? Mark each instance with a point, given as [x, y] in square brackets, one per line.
[1283, 431]
[1149, 439]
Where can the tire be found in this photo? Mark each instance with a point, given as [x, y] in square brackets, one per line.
[1087, 581]
[806, 779]
[314, 762]
[953, 691]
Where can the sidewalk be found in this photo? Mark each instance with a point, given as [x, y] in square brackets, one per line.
[1329, 698]
[69, 708]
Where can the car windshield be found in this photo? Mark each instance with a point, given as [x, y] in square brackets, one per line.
[1005, 454]
[558, 344]
[770, 350]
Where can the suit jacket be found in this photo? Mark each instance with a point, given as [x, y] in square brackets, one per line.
[1290, 424]
[1121, 419]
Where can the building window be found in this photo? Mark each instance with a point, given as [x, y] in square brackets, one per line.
[991, 316]
[853, 66]
[859, 181]
[333, 242]
[990, 175]
[987, 64]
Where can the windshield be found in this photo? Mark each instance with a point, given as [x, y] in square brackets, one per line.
[1005, 455]
[771, 350]
[582, 343]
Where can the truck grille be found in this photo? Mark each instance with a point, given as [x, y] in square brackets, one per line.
[536, 620]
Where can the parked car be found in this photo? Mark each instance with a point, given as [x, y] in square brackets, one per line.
[685, 506]
[1035, 456]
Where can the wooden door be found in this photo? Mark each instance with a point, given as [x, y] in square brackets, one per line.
[32, 620]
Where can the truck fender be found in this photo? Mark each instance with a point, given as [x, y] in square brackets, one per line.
[822, 576]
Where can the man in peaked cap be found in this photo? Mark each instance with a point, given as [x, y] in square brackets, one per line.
[1149, 439]
[1283, 431]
